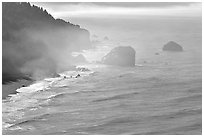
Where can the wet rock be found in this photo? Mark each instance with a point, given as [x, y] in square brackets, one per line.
[120, 56]
[172, 46]
[78, 75]
[82, 69]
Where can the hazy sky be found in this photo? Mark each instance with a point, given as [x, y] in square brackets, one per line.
[104, 9]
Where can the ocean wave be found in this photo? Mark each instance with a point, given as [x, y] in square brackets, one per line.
[120, 96]
[196, 97]
[59, 95]
[39, 93]
[37, 118]
[178, 114]
[181, 130]
[49, 83]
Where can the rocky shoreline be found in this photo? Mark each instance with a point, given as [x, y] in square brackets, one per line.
[11, 87]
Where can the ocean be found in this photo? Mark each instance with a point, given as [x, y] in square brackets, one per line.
[162, 94]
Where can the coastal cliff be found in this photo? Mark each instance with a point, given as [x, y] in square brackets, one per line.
[34, 43]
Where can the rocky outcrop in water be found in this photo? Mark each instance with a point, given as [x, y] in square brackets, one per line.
[120, 56]
[172, 46]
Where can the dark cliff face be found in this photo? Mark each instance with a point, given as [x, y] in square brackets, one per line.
[33, 41]
[120, 56]
[172, 46]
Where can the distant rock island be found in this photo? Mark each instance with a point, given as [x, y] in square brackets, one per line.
[172, 46]
[120, 56]
[31, 35]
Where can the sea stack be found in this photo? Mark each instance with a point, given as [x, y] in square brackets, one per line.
[120, 56]
[172, 46]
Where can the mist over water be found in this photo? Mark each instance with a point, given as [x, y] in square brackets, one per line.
[147, 34]
[161, 95]
[35, 44]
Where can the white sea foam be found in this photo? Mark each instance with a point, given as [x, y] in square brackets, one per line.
[29, 97]
[139, 65]
[39, 93]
